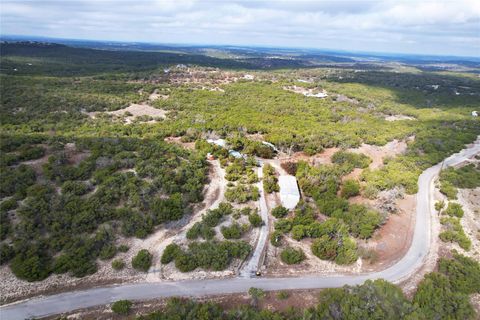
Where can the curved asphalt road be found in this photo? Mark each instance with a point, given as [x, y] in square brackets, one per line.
[63, 302]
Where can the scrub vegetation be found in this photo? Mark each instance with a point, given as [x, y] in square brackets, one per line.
[440, 295]
[72, 184]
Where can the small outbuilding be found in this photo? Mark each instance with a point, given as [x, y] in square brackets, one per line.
[289, 193]
[474, 114]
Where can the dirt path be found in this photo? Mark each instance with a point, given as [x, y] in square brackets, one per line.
[213, 197]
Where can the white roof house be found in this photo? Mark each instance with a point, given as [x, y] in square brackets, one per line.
[219, 142]
[289, 193]
[474, 114]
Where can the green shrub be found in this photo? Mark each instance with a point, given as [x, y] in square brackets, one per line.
[448, 190]
[283, 225]
[118, 264]
[170, 253]
[463, 273]
[376, 299]
[276, 238]
[270, 181]
[436, 299]
[454, 210]
[142, 261]
[283, 295]
[122, 307]
[299, 232]
[292, 256]
[361, 220]
[123, 248]
[350, 188]
[234, 231]
[439, 205]
[255, 220]
[454, 232]
[351, 160]
[279, 212]
[6, 253]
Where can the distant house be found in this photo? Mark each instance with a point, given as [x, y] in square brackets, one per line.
[289, 193]
[474, 114]
[248, 77]
[219, 142]
[235, 154]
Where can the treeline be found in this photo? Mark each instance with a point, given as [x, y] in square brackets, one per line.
[62, 60]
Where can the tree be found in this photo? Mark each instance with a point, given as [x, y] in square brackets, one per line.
[292, 255]
[436, 299]
[122, 307]
[118, 264]
[170, 253]
[256, 294]
[372, 300]
[142, 261]
[439, 205]
[255, 220]
[279, 212]
[463, 273]
[454, 210]
[276, 238]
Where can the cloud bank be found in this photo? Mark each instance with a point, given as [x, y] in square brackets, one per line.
[428, 27]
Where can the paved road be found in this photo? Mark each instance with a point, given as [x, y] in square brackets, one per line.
[64, 302]
[253, 264]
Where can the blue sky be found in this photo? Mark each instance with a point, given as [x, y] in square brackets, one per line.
[425, 27]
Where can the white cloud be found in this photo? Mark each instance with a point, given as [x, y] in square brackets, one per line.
[399, 26]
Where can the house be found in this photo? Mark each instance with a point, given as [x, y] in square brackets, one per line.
[219, 142]
[289, 193]
[235, 154]
[248, 77]
[474, 114]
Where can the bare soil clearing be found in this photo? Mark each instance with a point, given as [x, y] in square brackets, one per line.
[133, 111]
[398, 117]
[379, 153]
[178, 140]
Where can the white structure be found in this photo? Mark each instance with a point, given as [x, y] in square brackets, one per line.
[271, 145]
[289, 193]
[248, 77]
[316, 95]
[219, 142]
[474, 114]
[235, 154]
